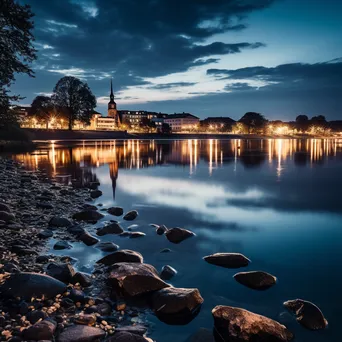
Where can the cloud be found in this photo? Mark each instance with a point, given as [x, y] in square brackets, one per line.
[171, 85]
[239, 86]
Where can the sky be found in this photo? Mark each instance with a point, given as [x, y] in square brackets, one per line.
[281, 58]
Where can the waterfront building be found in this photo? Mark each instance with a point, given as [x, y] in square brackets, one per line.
[182, 122]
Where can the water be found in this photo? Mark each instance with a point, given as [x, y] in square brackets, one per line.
[276, 201]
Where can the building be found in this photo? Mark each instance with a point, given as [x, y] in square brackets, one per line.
[182, 122]
[112, 110]
[223, 124]
[137, 118]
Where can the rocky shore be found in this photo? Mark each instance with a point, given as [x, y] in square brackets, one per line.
[44, 298]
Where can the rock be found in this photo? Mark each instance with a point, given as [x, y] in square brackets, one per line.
[44, 205]
[22, 250]
[88, 239]
[256, 280]
[4, 207]
[59, 222]
[45, 234]
[177, 235]
[227, 260]
[81, 333]
[176, 306]
[95, 193]
[115, 211]
[239, 325]
[62, 272]
[108, 247]
[125, 255]
[59, 245]
[6, 216]
[35, 316]
[135, 279]
[43, 330]
[202, 335]
[94, 185]
[167, 272]
[133, 329]
[308, 314]
[76, 230]
[10, 267]
[104, 309]
[77, 296]
[87, 319]
[82, 278]
[89, 207]
[131, 215]
[27, 285]
[42, 259]
[135, 235]
[112, 228]
[126, 336]
[161, 230]
[87, 215]
[165, 250]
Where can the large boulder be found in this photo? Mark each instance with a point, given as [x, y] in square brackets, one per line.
[87, 215]
[59, 222]
[115, 211]
[125, 255]
[308, 314]
[177, 235]
[27, 285]
[135, 279]
[62, 272]
[112, 228]
[131, 215]
[239, 325]
[88, 239]
[81, 333]
[227, 260]
[256, 280]
[6, 216]
[43, 330]
[176, 306]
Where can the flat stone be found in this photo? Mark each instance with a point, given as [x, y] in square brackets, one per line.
[43, 330]
[167, 272]
[227, 260]
[124, 255]
[239, 325]
[115, 211]
[177, 235]
[307, 314]
[87, 215]
[131, 215]
[81, 333]
[256, 280]
[112, 228]
[108, 247]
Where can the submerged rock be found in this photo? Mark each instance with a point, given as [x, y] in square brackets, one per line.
[88, 239]
[202, 335]
[81, 333]
[26, 285]
[239, 325]
[43, 330]
[167, 272]
[115, 211]
[59, 245]
[307, 314]
[175, 305]
[256, 280]
[135, 279]
[62, 272]
[87, 215]
[108, 247]
[228, 260]
[177, 235]
[112, 228]
[131, 215]
[125, 255]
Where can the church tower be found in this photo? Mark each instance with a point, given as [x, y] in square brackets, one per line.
[112, 111]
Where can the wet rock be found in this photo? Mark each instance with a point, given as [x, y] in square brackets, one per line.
[133, 329]
[42, 259]
[135, 279]
[126, 336]
[77, 296]
[115, 211]
[177, 235]
[82, 278]
[76, 230]
[6, 216]
[81, 333]
[135, 235]
[62, 272]
[176, 305]
[307, 314]
[89, 207]
[239, 325]
[256, 280]
[88, 239]
[112, 228]
[27, 285]
[4, 207]
[10, 267]
[202, 335]
[87, 215]
[40, 331]
[87, 319]
[165, 250]
[167, 272]
[59, 245]
[44, 205]
[227, 260]
[104, 309]
[94, 185]
[35, 316]
[125, 234]
[95, 193]
[45, 234]
[59, 222]
[108, 247]
[131, 215]
[161, 230]
[125, 255]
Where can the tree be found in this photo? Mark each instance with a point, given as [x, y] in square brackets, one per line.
[255, 122]
[302, 123]
[16, 51]
[42, 108]
[75, 99]
[166, 129]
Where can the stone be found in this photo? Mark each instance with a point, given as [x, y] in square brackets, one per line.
[135, 235]
[35, 316]
[115, 211]
[6, 216]
[4, 207]
[177, 235]
[82, 278]
[167, 272]
[45, 234]
[26, 285]
[112, 228]
[77, 296]
[89, 207]
[161, 230]
[108, 247]
[176, 305]
[43, 330]
[87, 215]
[59, 222]
[62, 272]
[165, 250]
[87, 319]
[81, 333]
[125, 336]
[227, 260]
[59, 245]
[44, 205]
[135, 279]
[239, 325]
[133, 329]
[131, 215]
[42, 259]
[124, 255]
[202, 335]
[95, 193]
[22, 250]
[104, 309]
[307, 314]
[256, 280]
[88, 239]
[76, 230]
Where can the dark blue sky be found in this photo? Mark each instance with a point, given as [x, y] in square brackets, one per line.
[207, 57]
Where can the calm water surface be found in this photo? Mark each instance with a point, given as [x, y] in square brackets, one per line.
[276, 201]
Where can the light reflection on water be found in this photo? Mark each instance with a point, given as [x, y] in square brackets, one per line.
[277, 201]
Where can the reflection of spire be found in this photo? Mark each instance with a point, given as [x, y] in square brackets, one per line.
[113, 172]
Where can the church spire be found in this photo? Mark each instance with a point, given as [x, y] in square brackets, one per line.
[111, 90]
